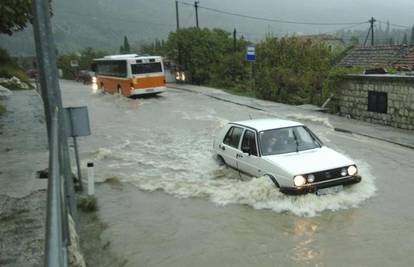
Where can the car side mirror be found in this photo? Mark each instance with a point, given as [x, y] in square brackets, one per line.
[246, 150]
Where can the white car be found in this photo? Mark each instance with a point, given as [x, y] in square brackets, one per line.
[288, 153]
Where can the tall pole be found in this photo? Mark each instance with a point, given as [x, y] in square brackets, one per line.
[233, 70]
[196, 12]
[234, 40]
[177, 15]
[372, 20]
[49, 88]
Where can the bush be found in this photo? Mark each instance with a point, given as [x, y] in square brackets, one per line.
[10, 69]
[292, 70]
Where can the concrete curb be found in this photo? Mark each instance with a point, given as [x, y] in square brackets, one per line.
[374, 137]
[252, 107]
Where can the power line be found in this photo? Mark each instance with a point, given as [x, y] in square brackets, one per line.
[274, 20]
[395, 25]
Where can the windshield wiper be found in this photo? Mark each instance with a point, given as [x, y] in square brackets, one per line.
[296, 141]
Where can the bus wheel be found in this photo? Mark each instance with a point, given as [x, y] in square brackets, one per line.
[101, 87]
[119, 91]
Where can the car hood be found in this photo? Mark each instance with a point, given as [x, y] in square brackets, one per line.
[309, 161]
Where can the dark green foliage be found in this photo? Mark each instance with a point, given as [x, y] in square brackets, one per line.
[85, 58]
[208, 56]
[125, 48]
[9, 68]
[15, 14]
[291, 70]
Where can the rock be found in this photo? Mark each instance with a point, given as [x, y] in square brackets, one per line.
[4, 92]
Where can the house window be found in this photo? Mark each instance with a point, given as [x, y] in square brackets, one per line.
[377, 102]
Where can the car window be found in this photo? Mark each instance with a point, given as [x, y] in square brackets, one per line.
[249, 142]
[232, 137]
[286, 140]
[305, 140]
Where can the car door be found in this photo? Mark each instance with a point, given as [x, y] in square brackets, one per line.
[230, 145]
[248, 160]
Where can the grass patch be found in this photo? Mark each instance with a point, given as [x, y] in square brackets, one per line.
[9, 69]
[87, 203]
[96, 251]
[2, 110]
[240, 92]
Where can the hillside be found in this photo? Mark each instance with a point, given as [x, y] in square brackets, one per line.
[102, 24]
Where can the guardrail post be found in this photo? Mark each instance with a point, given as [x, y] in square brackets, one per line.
[54, 244]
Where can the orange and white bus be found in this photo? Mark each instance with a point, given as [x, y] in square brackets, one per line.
[129, 75]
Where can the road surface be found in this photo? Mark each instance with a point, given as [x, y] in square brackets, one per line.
[168, 203]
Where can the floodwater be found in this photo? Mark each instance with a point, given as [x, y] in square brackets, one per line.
[168, 203]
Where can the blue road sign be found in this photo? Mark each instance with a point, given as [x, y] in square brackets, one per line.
[251, 53]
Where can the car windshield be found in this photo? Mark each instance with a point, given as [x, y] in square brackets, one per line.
[287, 140]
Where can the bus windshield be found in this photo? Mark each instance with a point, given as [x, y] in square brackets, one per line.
[143, 68]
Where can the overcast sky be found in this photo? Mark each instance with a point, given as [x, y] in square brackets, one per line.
[397, 11]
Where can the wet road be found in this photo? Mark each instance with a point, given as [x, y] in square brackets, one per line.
[176, 207]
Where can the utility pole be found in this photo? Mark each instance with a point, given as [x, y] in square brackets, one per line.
[233, 70]
[177, 15]
[196, 12]
[370, 31]
[234, 40]
[372, 21]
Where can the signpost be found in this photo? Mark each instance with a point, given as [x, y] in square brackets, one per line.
[251, 53]
[251, 57]
[77, 120]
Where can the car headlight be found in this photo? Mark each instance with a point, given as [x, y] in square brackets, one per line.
[299, 180]
[352, 170]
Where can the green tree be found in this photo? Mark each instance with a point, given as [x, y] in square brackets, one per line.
[15, 15]
[354, 40]
[125, 48]
[201, 51]
[292, 70]
[412, 36]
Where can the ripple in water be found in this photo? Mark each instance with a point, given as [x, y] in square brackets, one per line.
[181, 165]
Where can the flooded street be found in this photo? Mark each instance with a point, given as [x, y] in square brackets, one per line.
[169, 203]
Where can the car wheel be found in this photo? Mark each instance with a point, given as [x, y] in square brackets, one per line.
[273, 180]
[220, 160]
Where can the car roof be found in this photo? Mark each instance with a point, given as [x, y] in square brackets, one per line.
[267, 124]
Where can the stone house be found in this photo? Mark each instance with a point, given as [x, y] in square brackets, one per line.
[379, 98]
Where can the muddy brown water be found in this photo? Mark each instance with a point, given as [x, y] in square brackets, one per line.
[174, 206]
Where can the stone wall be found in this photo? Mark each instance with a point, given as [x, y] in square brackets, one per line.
[353, 99]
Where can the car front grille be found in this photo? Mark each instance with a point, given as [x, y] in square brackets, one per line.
[328, 175]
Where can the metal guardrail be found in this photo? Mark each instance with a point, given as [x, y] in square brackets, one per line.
[57, 236]
[61, 196]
